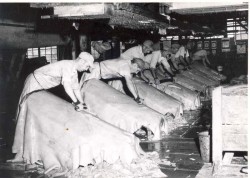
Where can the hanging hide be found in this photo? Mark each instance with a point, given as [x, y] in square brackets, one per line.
[157, 100]
[118, 109]
[50, 130]
[189, 98]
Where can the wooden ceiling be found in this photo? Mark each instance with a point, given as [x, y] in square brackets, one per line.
[128, 15]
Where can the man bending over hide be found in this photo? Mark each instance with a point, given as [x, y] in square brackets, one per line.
[139, 51]
[157, 66]
[117, 68]
[62, 72]
[201, 55]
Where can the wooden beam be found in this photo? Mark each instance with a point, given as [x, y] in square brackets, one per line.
[20, 66]
[217, 129]
[23, 38]
[243, 26]
[134, 8]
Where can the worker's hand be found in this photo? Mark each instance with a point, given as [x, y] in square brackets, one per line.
[80, 107]
[151, 82]
[189, 68]
[157, 81]
[139, 100]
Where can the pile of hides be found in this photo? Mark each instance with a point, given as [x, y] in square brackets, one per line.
[50, 130]
[239, 80]
[158, 100]
[144, 166]
[118, 109]
[189, 98]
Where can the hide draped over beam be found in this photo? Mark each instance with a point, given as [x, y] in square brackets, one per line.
[50, 130]
[120, 110]
[158, 100]
[190, 83]
[189, 98]
[208, 72]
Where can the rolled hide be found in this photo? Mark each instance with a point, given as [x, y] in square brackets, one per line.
[120, 110]
[189, 98]
[49, 129]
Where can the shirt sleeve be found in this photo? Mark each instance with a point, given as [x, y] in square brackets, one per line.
[187, 53]
[127, 54]
[155, 59]
[71, 77]
[124, 70]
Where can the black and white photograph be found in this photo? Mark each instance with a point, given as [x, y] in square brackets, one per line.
[124, 89]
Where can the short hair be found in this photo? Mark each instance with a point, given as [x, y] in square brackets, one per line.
[139, 62]
[148, 43]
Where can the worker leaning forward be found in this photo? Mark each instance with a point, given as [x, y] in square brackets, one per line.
[62, 72]
[117, 68]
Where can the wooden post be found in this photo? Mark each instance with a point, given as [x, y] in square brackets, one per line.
[20, 66]
[10, 72]
[217, 129]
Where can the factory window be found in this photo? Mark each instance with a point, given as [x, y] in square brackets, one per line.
[237, 28]
[32, 53]
[49, 52]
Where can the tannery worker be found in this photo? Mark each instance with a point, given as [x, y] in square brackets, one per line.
[62, 72]
[201, 55]
[157, 66]
[139, 51]
[182, 56]
[117, 68]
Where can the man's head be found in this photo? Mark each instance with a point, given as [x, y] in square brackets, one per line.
[84, 61]
[137, 65]
[147, 47]
[174, 48]
[166, 51]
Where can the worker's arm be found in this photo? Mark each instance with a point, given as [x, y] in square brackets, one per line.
[143, 76]
[75, 96]
[68, 89]
[155, 58]
[207, 60]
[78, 95]
[132, 88]
[153, 72]
[167, 67]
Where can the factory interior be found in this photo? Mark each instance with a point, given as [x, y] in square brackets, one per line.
[123, 89]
